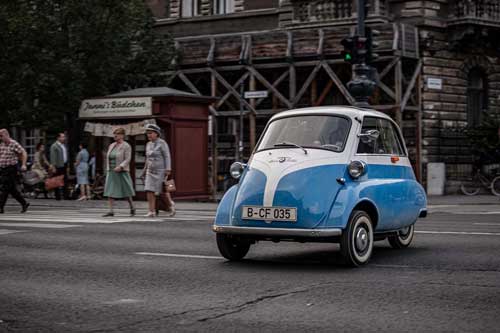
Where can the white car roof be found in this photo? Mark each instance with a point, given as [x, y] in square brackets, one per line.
[349, 111]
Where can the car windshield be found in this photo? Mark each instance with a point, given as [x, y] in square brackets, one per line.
[324, 132]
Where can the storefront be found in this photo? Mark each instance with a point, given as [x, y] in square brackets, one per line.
[183, 118]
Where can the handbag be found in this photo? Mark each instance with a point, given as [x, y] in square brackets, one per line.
[170, 186]
[54, 182]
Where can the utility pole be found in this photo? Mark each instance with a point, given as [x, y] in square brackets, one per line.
[240, 141]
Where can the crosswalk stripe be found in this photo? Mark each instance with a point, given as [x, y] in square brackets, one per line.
[97, 219]
[7, 231]
[39, 225]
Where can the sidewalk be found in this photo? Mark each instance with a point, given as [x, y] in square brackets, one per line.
[212, 206]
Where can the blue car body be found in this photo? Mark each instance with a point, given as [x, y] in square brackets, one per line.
[318, 186]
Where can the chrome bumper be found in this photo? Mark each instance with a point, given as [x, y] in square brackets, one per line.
[277, 232]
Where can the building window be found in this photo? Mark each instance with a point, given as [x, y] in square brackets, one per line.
[223, 6]
[191, 8]
[477, 96]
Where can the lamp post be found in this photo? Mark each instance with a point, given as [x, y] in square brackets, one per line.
[361, 86]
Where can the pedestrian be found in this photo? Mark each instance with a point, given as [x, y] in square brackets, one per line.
[92, 166]
[10, 154]
[118, 181]
[157, 168]
[59, 159]
[40, 163]
[41, 166]
[82, 172]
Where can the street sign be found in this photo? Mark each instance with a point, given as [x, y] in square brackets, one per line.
[256, 94]
[434, 83]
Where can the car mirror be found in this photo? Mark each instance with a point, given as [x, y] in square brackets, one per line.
[369, 136]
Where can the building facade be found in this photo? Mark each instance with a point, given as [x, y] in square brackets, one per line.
[438, 70]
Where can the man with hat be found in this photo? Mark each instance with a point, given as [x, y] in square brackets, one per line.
[10, 154]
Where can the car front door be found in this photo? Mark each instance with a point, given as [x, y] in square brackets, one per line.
[389, 175]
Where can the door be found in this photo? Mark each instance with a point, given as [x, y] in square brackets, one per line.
[389, 175]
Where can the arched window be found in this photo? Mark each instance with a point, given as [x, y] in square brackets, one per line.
[477, 96]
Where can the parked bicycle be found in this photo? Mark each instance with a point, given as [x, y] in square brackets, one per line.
[473, 185]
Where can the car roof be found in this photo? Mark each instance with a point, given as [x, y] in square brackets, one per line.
[349, 111]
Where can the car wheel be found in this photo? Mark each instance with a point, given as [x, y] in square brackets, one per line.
[402, 238]
[356, 243]
[232, 248]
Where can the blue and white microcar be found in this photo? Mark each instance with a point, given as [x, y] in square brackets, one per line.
[323, 174]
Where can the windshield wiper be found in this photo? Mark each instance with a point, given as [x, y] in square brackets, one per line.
[283, 144]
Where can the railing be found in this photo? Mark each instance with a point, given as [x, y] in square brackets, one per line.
[486, 10]
[330, 10]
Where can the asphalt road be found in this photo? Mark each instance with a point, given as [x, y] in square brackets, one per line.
[65, 270]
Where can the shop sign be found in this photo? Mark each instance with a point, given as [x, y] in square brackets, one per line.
[116, 107]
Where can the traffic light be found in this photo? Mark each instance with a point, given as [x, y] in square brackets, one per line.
[371, 44]
[354, 49]
[361, 50]
[348, 54]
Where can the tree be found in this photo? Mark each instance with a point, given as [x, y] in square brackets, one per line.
[54, 53]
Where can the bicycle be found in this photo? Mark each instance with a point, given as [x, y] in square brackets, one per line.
[473, 185]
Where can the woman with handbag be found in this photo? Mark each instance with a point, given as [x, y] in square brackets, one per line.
[157, 168]
[118, 181]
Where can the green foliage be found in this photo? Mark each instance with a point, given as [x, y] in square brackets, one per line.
[54, 53]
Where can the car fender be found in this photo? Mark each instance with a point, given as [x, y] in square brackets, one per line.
[347, 199]
[225, 208]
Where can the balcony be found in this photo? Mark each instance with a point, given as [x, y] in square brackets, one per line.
[331, 11]
[476, 12]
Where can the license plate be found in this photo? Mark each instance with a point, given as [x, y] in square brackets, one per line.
[270, 213]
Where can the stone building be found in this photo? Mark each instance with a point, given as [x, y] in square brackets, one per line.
[438, 67]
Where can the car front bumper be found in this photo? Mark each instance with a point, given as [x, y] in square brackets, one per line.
[278, 232]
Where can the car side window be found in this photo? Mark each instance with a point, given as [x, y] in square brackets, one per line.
[387, 142]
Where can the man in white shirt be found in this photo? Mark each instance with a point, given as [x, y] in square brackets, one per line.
[59, 159]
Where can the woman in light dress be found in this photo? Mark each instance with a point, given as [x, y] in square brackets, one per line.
[118, 181]
[157, 168]
[82, 172]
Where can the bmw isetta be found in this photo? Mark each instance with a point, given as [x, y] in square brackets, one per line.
[323, 174]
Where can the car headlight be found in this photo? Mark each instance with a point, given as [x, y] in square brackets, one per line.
[357, 169]
[236, 169]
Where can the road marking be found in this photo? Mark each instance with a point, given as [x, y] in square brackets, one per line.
[391, 266]
[39, 225]
[94, 216]
[459, 233]
[123, 301]
[102, 220]
[6, 231]
[174, 255]
[76, 219]
[495, 224]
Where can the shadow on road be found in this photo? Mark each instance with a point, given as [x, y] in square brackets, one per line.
[324, 260]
